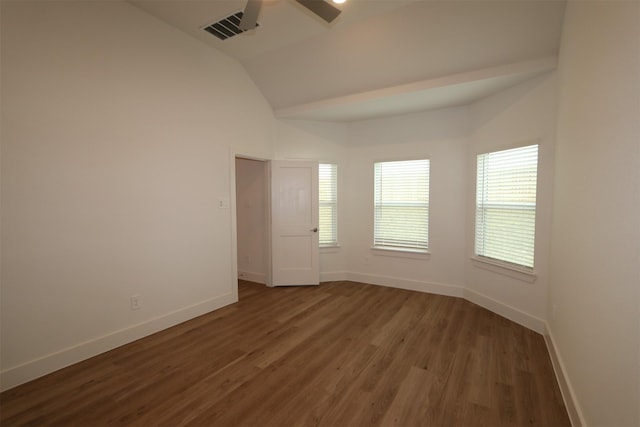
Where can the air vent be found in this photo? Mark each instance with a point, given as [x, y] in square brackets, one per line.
[226, 27]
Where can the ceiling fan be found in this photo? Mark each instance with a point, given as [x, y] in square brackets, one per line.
[320, 7]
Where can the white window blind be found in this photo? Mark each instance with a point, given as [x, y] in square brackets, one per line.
[506, 205]
[401, 211]
[328, 189]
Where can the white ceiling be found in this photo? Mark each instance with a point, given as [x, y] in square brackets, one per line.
[380, 57]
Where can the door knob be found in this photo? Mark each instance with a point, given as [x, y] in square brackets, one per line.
[315, 230]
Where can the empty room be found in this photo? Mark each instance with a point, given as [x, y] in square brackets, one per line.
[308, 212]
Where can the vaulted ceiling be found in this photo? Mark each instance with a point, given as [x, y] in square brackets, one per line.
[380, 57]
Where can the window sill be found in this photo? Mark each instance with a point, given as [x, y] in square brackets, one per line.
[401, 252]
[330, 249]
[505, 269]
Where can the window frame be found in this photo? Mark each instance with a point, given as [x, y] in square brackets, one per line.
[334, 204]
[510, 268]
[400, 250]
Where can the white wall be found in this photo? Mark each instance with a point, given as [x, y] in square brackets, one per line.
[118, 145]
[115, 150]
[595, 268]
[524, 114]
[252, 219]
[440, 136]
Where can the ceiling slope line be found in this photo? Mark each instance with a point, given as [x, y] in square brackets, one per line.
[440, 92]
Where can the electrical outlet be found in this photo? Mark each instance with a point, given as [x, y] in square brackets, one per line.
[135, 302]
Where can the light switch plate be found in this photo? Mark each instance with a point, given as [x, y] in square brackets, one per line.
[223, 203]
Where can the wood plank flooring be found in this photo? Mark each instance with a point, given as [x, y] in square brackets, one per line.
[339, 354]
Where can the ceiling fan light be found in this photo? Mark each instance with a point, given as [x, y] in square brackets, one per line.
[338, 1]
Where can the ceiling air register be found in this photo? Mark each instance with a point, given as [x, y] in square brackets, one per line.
[247, 20]
[227, 27]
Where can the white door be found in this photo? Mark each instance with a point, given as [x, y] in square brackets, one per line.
[294, 229]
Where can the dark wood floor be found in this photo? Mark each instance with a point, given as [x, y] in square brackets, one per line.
[340, 354]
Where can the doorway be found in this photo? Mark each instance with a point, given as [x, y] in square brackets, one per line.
[276, 246]
[252, 220]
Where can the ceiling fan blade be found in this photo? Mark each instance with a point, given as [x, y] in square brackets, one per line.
[250, 15]
[321, 8]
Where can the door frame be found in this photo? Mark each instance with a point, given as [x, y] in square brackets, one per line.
[233, 154]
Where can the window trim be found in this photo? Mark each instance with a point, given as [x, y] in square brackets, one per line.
[336, 243]
[400, 251]
[522, 272]
[395, 252]
[330, 249]
[505, 268]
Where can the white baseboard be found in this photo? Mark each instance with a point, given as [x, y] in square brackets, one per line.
[511, 313]
[570, 401]
[504, 310]
[31, 370]
[409, 284]
[333, 276]
[253, 277]
[36, 368]
[528, 321]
